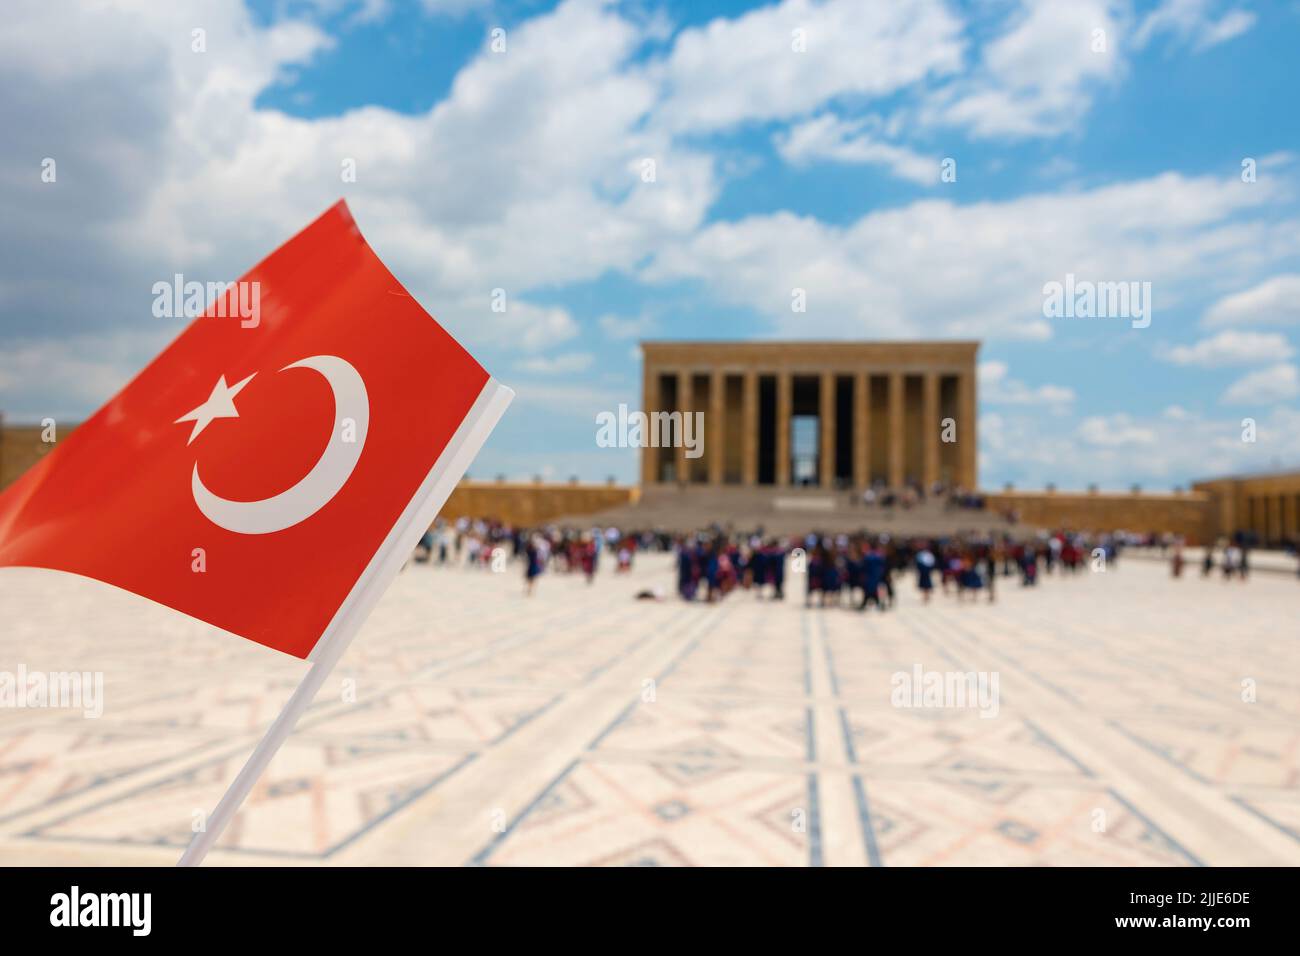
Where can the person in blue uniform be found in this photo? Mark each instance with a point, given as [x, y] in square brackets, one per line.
[873, 574]
[925, 572]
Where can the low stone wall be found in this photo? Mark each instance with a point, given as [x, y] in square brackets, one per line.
[524, 503]
[1189, 514]
[21, 446]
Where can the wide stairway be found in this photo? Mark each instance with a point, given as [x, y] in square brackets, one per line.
[787, 511]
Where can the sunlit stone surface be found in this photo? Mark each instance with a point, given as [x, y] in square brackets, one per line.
[1139, 720]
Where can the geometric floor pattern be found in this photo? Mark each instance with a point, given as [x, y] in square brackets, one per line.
[1140, 721]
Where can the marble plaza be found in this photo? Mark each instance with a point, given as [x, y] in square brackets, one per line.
[1139, 720]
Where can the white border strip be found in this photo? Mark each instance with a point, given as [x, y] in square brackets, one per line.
[379, 573]
[415, 519]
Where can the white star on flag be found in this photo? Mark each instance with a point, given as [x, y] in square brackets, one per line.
[220, 404]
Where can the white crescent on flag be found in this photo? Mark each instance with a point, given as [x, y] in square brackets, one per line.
[319, 485]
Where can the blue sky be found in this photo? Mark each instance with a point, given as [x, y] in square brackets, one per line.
[1103, 138]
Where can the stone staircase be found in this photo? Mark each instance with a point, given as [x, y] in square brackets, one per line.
[787, 511]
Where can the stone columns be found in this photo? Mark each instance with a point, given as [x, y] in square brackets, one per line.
[896, 446]
[715, 428]
[861, 430]
[749, 435]
[783, 403]
[967, 455]
[650, 391]
[685, 402]
[826, 430]
[930, 429]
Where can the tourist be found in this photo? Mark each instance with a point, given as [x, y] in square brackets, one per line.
[924, 572]
[535, 558]
[1231, 561]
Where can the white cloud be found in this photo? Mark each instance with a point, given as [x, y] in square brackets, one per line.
[574, 401]
[61, 378]
[567, 363]
[625, 327]
[1264, 387]
[827, 137]
[996, 387]
[452, 7]
[1117, 450]
[1231, 348]
[938, 269]
[520, 178]
[1191, 22]
[531, 327]
[1114, 431]
[731, 71]
[1275, 301]
[1039, 76]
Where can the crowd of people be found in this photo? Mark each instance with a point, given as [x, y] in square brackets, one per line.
[493, 545]
[1229, 555]
[859, 570]
[913, 494]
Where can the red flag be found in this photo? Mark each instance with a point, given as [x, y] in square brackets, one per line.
[268, 478]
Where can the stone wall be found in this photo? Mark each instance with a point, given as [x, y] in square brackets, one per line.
[524, 503]
[1188, 513]
[20, 448]
[1266, 506]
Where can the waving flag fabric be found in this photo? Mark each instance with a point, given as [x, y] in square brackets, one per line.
[268, 478]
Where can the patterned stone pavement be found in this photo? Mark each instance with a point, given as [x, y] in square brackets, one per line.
[1139, 720]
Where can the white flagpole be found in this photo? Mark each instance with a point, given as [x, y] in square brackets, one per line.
[266, 749]
[401, 540]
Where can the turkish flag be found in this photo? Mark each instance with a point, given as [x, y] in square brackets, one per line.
[269, 477]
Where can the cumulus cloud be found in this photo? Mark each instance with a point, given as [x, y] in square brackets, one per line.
[1114, 431]
[1231, 348]
[827, 137]
[750, 68]
[1276, 301]
[1193, 22]
[522, 177]
[61, 378]
[934, 268]
[1039, 76]
[1264, 387]
[998, 388]
[565, 364]
[625, 327]
[1155, 450]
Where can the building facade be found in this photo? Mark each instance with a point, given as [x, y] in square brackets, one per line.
[820, 414]
[22, 446]
[1265, 506]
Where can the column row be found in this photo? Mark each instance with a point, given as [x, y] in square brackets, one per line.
[910, 414]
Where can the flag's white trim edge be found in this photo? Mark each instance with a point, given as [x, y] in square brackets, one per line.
[379, 573]
[415, 519]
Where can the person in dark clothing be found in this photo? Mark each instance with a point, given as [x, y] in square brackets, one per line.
[776, 569]
[925, 573]
[873, 574]
[991, 570]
